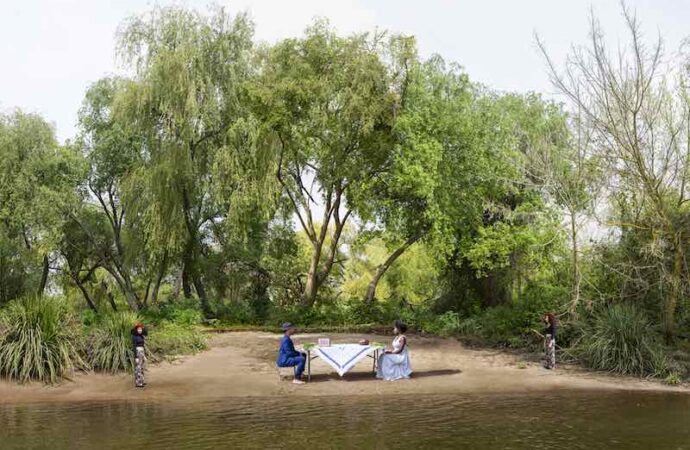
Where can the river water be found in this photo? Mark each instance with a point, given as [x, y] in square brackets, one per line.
[559, 420]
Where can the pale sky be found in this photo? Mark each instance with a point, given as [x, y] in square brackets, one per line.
[52, 50]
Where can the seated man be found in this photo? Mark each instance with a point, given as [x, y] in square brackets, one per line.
[288, 356]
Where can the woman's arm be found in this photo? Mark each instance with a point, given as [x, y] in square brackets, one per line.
[402, 347]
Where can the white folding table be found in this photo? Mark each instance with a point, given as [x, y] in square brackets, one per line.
[342, 357]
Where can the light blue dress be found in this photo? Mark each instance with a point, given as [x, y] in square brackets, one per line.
[395, 366]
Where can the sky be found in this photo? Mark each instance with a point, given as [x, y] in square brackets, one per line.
[52, 50]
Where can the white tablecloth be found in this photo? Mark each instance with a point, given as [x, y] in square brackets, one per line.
[343, 357]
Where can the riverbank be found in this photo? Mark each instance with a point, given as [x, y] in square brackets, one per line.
[241, 364]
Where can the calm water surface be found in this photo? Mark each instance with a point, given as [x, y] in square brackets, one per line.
[565, 420]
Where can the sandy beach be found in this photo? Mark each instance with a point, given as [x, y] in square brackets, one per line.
[241, 364]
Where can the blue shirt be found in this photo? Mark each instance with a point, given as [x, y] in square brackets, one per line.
[286, 351]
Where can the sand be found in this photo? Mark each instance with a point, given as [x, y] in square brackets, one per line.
[241, 364]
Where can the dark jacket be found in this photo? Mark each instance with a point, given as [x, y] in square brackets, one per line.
[138, 339]
[286, 351]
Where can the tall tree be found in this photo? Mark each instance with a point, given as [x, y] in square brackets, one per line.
[113, 151]
[38, 180]
[641, 130]
[187, 94]
[405, 201]
[330, 102]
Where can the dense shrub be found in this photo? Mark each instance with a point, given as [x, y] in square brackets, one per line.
[171, 339]
[234, 312]
[38, 340]
[447, 324]
[620, 339]
[184, 312]
[109, 347]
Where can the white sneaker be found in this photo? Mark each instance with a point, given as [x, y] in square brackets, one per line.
[297, 381]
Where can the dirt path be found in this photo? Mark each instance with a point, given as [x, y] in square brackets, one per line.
[241, 364]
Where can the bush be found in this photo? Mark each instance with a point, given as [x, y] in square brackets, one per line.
[234, 312]
[620, 339]
[170, 339]
[358, 312]
[184, 312]
[38, 340]
[110, 344]
[673, 379]
[447, 324]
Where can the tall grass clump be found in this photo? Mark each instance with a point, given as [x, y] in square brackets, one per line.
[110, 342]
[620, 339]
[38, 340]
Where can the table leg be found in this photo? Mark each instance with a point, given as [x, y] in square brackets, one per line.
[308, 365]
[376, 358]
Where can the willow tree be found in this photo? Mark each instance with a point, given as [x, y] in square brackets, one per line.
[640, 126]
[113, 151]
[38, 180]
[187, 93]
[330, 103]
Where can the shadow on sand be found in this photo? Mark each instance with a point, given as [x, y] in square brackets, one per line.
[368, 376]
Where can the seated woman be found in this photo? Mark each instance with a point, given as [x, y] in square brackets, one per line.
[288, 356]
[395, 364]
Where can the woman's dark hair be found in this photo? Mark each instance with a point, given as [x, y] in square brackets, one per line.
[400, 326]
[551, 318]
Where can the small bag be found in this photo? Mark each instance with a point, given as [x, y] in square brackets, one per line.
[364, 342]
[324, 342]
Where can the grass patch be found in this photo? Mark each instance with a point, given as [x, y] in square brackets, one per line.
[110, 343]
[620, 339]
[38, 340]
[673, 379]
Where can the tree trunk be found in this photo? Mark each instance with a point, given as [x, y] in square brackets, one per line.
[177, 287]
[159, 279]
[577, 277]
[383, 268]
[146, 292]
[676, 285]
[201, 292]
[186, 286]
[44, 275]
[126, 289]
[311, 286]
[85, 293]
[110, 296]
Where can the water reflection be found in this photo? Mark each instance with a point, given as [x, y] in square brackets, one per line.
[574, 420]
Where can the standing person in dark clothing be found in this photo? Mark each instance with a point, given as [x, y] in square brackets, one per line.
[550, 340]
[139, 334]
[288, 356]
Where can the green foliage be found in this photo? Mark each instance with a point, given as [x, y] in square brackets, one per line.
[169, 339]
[39, 340]
[673, 379]
[621, 339]
[411, 278]
[183, 312]
[109, 345]
[235, 312]
[38, 186]
[448, 324]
